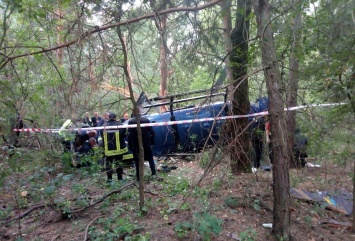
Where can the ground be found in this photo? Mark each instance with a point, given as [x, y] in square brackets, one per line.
[184, 204]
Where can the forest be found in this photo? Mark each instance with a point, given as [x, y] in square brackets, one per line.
[61, 59]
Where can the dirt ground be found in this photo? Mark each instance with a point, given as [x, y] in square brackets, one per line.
[170, 204]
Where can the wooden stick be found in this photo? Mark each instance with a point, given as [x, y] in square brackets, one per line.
[87, 227]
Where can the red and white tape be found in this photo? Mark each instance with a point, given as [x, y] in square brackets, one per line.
[167, 123]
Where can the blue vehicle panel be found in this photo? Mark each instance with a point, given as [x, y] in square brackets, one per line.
[191, 136]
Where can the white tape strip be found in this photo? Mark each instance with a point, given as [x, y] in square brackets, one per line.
[166, 123]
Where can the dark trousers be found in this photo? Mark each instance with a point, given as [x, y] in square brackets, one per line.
[66, 146]
[300, 158]
[258, 149]
[151, 164]
[117, 161]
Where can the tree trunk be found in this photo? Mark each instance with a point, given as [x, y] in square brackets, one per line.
[239, 139]
[280, 168]
[163, 59]
[60, 28]
[227, 28]
[135, 110]
[60, 55]
[292, 90]
[160, 23]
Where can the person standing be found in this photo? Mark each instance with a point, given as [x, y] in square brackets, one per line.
[103, 119]
[257, 139]
[114, 147]
[126, 116]
[19, 125]
[300, 148]
[147, 139]
[101, 123]
[67, 135]
[87, 119]
[95, 119]
[268, 137]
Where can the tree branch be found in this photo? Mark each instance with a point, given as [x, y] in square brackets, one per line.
[26, 213]
[87, 227]
[97, 29]
[104, 197]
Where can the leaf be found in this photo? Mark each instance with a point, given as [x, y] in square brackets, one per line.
[67, 177]
[49, 190]
[257, 205]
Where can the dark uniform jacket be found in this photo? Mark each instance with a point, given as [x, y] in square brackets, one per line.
[147, 137]
[114, 139]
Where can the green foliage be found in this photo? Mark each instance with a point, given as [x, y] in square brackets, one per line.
[112, 228]
[48, 89]
[200, 192]
[176, 186]
[205, 159]
[248, 235]
[207, 225]
[204, 223]
[232, 202]
[183, 228]
[308, 220]
[257, 205]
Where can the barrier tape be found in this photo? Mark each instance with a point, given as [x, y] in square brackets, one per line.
[167, 123]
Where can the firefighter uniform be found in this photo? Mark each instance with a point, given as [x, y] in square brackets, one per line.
[114, 147]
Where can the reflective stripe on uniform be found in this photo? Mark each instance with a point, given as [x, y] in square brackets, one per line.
[117, 150]
[127, 156]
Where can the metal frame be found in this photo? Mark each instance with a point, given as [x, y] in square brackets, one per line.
[172, 100]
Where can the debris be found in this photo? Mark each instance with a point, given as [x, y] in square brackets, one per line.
[267, 225]
[163, 168]
[233, 236]
[337, 200]
[308, 164]
[335, 224]
[23, 193]
[263, 168]
[266, 168]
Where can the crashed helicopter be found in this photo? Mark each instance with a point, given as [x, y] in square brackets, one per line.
[190, 128]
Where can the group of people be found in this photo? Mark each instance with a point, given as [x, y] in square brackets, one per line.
[119, 144]
[97, 120]
[91, 121]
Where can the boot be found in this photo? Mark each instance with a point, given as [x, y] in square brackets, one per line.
[109, 176]
[119, 172]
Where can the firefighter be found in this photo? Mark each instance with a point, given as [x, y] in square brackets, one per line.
[114, 147]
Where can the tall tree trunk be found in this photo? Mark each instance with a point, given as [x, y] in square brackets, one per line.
[163, 59]
[161, 24]
[227, 28]
[292, 90]
[60, 28]
[135, 107]
[62, 101]
[240, 158]
[280, 168]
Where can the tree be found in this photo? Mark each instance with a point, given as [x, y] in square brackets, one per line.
[292, 90]
[161, 23]
[240, 91]
[280, 168]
